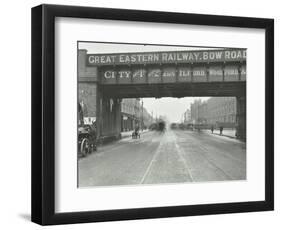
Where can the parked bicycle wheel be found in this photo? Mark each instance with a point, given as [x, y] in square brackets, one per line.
[85, 147]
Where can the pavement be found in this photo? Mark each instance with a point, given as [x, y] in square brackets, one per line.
[129, 133]
[226, 132]
[175, 156]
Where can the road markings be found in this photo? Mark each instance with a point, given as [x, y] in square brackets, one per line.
[227, 155]
[214, 164]
[157, 152]
[204, 152]
[183, 160]
[180, 154]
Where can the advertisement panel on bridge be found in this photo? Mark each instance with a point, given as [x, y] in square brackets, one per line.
[168, 74]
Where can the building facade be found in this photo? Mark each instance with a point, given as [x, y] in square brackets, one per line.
[222, 110]
[214, 111]
[130, 114]
[198, 111]
[134, 114]
[147, 118]
[187, 116]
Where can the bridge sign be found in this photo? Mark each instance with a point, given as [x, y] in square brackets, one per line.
[206, 56]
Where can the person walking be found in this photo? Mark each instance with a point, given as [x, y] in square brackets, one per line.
[93, 135]
[221, 129]
[212, 129]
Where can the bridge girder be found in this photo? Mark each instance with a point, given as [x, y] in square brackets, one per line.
[175, 90]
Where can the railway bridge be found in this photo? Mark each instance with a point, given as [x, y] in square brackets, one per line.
[105, 79]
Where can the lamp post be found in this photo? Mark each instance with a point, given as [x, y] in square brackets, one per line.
[142, 114]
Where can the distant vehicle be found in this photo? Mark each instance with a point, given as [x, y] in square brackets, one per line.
[135, 134]
[201, 126]
[174, 126]
[161, 126]
[158, 126]
[153, 126]
[87, 141]
[182, 126]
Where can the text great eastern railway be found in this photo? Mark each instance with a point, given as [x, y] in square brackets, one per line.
[167, 57]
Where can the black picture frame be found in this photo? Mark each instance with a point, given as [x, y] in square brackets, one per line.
[43, 114]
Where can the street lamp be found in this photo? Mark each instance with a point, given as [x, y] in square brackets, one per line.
[142, 114]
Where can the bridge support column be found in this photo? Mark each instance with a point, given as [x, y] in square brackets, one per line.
[241, 117]
[88, 99]
[109, 118]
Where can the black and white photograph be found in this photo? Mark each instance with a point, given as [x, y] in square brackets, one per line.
[141, 114]
[151, 114]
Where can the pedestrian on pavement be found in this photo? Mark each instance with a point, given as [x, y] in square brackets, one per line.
[212, 129]
[221, 129]
[93, 135]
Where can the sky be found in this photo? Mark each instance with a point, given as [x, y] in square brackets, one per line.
[172, 108]
[95, 48]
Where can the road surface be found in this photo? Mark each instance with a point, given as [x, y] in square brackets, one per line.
[175, 156]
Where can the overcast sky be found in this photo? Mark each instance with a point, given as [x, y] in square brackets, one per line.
[94, 48]
[172, 108]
